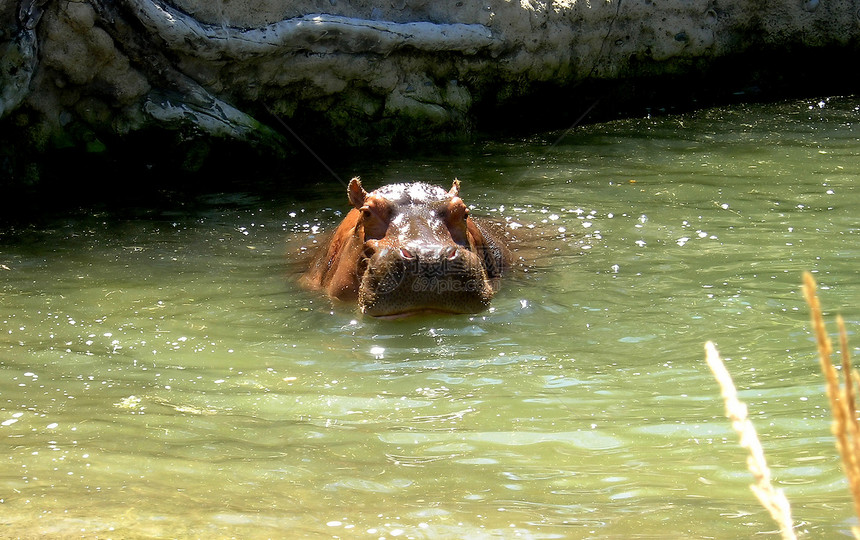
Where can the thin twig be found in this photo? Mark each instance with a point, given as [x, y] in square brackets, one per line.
[772, 499]
[845, 426]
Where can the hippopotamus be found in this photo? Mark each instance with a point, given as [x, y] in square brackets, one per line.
[410, 248]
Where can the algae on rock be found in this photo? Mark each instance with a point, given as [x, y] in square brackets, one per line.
[362, 73]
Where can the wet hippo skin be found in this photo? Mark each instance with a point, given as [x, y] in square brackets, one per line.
[410, 248]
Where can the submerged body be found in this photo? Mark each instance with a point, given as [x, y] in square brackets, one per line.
[410, 248]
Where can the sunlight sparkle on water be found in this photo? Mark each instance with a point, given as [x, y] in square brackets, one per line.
[151, 362]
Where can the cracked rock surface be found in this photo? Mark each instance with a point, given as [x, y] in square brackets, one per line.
[360, 73]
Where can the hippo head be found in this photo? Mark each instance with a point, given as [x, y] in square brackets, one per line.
[421, 253]
[410, 248]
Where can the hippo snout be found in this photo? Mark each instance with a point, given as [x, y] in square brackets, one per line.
[418, 277]
[432, 255]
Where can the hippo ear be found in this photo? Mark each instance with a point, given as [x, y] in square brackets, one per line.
[356, 193]
[455, 189]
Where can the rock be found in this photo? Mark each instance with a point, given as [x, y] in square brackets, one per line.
[363, 73]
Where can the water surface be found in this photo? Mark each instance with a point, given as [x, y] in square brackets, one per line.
[164, 376]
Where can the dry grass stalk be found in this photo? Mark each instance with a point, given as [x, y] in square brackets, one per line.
[842, 400]
[772, 499]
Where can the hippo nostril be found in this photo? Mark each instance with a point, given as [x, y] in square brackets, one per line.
[406, 254]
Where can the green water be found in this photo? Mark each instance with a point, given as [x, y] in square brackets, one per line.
[162, 375]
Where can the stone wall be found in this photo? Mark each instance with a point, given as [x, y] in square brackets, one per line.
[362, 73]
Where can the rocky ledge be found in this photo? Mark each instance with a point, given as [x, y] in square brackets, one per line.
[268, 73]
